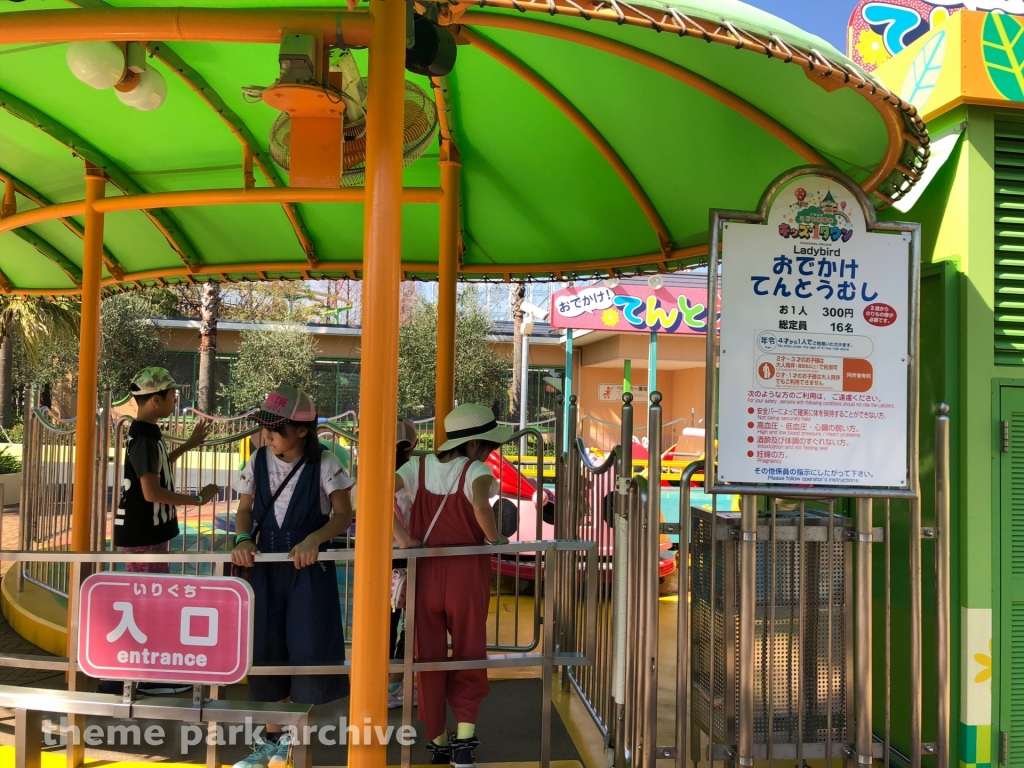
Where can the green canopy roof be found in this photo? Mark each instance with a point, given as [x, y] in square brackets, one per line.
[590, 141]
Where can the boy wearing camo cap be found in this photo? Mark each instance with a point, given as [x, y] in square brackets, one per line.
[146, 518]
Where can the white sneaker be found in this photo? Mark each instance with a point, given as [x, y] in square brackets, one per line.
[262, 754]
[397, 698]
[280, 759]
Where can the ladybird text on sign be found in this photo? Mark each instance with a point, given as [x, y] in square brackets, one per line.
[160, 628]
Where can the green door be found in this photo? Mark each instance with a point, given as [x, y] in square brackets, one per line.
[1011, 589]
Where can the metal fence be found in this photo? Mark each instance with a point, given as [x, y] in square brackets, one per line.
[203, 705]
[682, 438]
[49, 452]
[774, 631]
[587, 512]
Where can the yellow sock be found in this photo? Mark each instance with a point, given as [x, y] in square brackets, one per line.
[466, 731]
[442, 740]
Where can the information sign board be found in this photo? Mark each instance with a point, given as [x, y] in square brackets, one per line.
[160, 628]
[814, 348]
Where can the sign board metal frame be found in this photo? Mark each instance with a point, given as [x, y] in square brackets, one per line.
[720, 217]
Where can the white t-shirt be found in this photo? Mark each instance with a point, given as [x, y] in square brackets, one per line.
[440, 479]
[332, 478]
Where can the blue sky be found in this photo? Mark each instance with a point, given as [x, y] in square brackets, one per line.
[824, 18]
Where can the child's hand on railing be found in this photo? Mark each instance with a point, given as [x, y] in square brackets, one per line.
[305, 553]
[242, 554]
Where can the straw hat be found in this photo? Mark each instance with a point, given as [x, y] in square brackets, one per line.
[473, 422]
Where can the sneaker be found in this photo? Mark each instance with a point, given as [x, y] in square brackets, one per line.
[397, 698]
[162, 689]
[262, 753]
[439, 755]
[282, 757]
[464, 752]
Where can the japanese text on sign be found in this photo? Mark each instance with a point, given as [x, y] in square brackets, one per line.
[160, 628]
[814, 345]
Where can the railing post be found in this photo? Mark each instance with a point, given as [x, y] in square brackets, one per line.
[569, 530]
[942, 586]
[649, 590]
[27, 478]
[102, 471]
[683, 641]
[748, 587]
[620, 572]
[862, 664]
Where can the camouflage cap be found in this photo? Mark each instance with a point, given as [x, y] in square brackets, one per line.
[149, 381]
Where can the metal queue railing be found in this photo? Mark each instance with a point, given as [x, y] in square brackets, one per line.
[774, 633]
[78, 703]
[587, 513]
[49, 451]
[604, 435]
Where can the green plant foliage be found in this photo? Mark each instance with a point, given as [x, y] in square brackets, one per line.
[282, 355]
[481, 374]
[129, 342]
[9, 463]
[1002, 45]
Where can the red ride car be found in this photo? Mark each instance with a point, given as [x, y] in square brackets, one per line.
[515, 508]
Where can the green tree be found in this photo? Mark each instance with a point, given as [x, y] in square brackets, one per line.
[282, 355]
[481, 374]
[27, 324]
[129, 342]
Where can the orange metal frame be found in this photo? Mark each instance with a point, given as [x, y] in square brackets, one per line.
[571, 34]
[210, 25]
[499, 54]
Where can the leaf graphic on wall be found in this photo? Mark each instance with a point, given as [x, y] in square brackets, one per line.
[924, 72]
[1002, 46]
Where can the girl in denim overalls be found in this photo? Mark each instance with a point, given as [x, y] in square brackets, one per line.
[294, 498]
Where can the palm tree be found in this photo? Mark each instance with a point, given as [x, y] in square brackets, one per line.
[209, 312]
[32, 320]
[517, 293]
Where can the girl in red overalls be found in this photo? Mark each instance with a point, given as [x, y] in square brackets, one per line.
[450, 496]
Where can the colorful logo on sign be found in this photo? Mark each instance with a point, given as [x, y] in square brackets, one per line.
[631, 308]
[879, 29]
[818, 217]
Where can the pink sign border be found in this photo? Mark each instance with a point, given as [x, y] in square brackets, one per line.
[244, 652]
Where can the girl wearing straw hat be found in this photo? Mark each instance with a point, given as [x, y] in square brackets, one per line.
[449, 497]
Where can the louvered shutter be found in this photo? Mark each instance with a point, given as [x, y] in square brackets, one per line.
[1009, 255]
[1009, 666]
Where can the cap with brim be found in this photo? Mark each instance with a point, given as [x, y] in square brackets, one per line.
[285, 404]
[473, 422]
[151, 380]
[406, 433]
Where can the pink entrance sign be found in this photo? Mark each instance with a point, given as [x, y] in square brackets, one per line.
[159, 628]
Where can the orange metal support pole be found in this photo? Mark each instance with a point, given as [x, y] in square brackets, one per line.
[378, 390]
[447, 275]
[88, 361]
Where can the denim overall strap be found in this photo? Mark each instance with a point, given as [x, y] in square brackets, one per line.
[303, 516]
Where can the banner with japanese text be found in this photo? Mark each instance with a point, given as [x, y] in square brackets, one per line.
[814, 345]
[630, 308]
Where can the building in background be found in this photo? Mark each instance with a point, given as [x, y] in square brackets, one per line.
[338, 366]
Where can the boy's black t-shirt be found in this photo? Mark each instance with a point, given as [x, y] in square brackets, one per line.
[140, 523]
